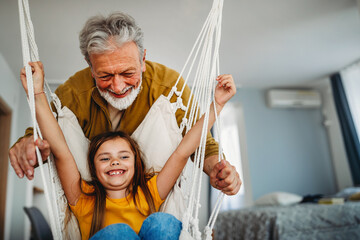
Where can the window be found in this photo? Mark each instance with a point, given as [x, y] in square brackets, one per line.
[233, 141]
[351, 81]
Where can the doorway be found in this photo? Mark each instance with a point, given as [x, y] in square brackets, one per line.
[5, 126]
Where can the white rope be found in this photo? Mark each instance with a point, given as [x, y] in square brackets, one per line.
[204, 53]
[215, 212]
[30, 53]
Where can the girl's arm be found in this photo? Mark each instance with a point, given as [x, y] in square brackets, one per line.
[65, 163]
[172, 169]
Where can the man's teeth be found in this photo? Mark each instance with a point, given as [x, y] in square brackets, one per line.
[125, 90]
[122, 92]
[116, 172]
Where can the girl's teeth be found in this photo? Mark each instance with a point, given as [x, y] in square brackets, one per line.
[116, 172]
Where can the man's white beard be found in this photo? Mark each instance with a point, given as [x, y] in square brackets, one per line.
[120, 103]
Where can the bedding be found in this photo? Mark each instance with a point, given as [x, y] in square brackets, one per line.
[278, 198]
[300, 221]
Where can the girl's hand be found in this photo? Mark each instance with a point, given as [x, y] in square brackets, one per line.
[225, 89]
[37, 69]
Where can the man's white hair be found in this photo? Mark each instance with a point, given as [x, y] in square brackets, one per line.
[101, 34]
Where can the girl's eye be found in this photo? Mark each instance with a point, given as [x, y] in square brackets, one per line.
[124, 157]
[104, 159]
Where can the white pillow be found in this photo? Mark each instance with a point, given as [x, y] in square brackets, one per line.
[278, 199]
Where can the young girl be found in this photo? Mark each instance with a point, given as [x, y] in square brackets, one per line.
[120, 191]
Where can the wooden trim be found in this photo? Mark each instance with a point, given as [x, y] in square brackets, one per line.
[5, 126]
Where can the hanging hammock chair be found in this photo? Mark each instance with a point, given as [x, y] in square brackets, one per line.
[183, 201]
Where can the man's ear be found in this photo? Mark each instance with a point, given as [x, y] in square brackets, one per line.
[143, 67]
[88, 62]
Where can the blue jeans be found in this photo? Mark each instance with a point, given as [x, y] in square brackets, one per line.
[159, 226]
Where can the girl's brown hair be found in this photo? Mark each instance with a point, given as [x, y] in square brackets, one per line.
[139, 180]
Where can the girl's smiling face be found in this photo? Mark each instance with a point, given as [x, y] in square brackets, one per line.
[114, 163]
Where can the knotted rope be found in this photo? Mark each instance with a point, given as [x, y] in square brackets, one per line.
[30, 54]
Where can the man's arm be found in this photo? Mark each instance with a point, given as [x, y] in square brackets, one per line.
[23, 158]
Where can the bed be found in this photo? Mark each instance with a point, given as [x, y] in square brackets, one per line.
[299, 221]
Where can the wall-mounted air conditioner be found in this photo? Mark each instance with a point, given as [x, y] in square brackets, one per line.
[293, 98]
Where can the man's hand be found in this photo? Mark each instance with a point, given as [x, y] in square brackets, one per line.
[23, 156]
[225, 178]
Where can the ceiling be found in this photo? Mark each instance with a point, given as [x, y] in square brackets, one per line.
[267, 43]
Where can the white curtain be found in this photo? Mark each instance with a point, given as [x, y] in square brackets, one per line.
[232, 132]
[351, 82]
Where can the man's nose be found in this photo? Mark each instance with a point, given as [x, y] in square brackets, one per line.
[118, 83]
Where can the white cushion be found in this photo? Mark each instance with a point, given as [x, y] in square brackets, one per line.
[278, 198]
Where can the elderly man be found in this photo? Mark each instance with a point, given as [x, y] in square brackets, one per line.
[116, 92]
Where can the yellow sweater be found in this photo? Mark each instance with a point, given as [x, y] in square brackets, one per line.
[117, 210]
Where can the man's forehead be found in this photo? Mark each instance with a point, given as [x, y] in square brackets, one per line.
[113, 47]
[117, 60]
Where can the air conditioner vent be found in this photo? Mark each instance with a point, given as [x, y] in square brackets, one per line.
[290, 98]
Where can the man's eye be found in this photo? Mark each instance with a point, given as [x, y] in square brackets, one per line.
[105, 78]
[128, 74]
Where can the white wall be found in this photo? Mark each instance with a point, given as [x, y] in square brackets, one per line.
[16, 188]
[288, 149]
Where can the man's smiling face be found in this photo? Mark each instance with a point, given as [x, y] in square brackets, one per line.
[118, 74]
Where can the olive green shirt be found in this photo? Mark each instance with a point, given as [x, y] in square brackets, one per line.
[81, 96]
